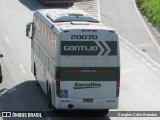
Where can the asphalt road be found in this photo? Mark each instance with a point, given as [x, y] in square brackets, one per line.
[140, 84]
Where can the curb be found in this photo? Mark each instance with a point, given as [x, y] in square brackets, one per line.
[155, 30]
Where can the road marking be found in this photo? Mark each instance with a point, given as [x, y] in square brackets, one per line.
[143, 59]
[140, 52]
[132, 51]
[126, 70]
[22, 68]
[137, 55]
[126, 47]
[155, 69]
[149, 64]
[6, 39]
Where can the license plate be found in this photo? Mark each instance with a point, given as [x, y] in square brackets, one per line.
[87, 100]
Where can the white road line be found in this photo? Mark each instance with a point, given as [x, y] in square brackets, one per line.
[149, 64]
[22, 68]
[132, 51]
[146, 27]
[6, 39]
[127, 47]
[143, 59]
[142, 53]
[155, 69]
[137, 55]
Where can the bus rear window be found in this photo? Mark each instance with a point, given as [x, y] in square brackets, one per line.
[88, 75]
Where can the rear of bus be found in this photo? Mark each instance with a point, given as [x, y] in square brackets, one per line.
[88, 74]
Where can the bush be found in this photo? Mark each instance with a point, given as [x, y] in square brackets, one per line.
[151, 9]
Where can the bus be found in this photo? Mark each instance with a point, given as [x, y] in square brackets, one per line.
[67, 3]
[75, 59]
[57, 2]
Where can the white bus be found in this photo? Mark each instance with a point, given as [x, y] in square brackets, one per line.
[75, 59]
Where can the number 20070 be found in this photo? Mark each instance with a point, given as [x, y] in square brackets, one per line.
[84, 37]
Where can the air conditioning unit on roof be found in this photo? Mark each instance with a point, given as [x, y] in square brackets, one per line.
[69, 15]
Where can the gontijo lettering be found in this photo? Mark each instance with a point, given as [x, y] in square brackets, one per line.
[80, 48]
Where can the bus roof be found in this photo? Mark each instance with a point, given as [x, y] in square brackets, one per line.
[81, 25]
[66, 19]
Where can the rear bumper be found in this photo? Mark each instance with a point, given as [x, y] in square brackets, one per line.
[78, 104]
[0, 78]
[59, 1]
[0, 74]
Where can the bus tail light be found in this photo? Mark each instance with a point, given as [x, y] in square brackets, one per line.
[74, 70]
[98, 71]
[118, 82]
[102, 71]
[58, 85]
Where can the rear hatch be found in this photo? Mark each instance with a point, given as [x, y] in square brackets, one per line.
[89, 64]
[88, 83]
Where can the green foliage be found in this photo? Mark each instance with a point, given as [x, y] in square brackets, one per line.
[151, 9]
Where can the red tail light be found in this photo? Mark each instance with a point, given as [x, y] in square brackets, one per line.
[118, 82]
[74, 70]
[58, 84]
[118, 79]
[102, 71]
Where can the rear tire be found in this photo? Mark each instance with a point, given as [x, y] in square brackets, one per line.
[1, 79]
[40, 1]
[71, 4]
[49, 98]
[107, 111]
[35, 75]
[49, 95]
[44, 3]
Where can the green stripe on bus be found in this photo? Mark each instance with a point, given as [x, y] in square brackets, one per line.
[89, 48]
[66, 75]
[113, 46]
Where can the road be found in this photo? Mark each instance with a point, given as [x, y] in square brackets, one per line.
[140, 69]
[140, 74]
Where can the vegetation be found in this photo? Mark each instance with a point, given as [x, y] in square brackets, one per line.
[151, 9]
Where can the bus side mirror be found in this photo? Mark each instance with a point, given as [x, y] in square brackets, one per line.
[30, 28]
[1, 55]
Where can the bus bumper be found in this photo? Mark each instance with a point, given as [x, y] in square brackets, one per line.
[79, 104]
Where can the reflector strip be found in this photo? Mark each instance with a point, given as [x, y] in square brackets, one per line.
[103, 70]
[74, 70]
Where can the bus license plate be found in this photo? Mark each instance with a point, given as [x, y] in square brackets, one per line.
[87, 100]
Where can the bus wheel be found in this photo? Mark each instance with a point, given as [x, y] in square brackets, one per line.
[107, 111]
[35, 75]
[71, 4]
[44, 3]
[1, 79]
[49, 98]
[40, 1]
[49, 95]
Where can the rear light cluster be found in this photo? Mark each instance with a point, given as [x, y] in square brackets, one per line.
[118, 82]
[118, 79]
[98, 71]
[57, 84]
